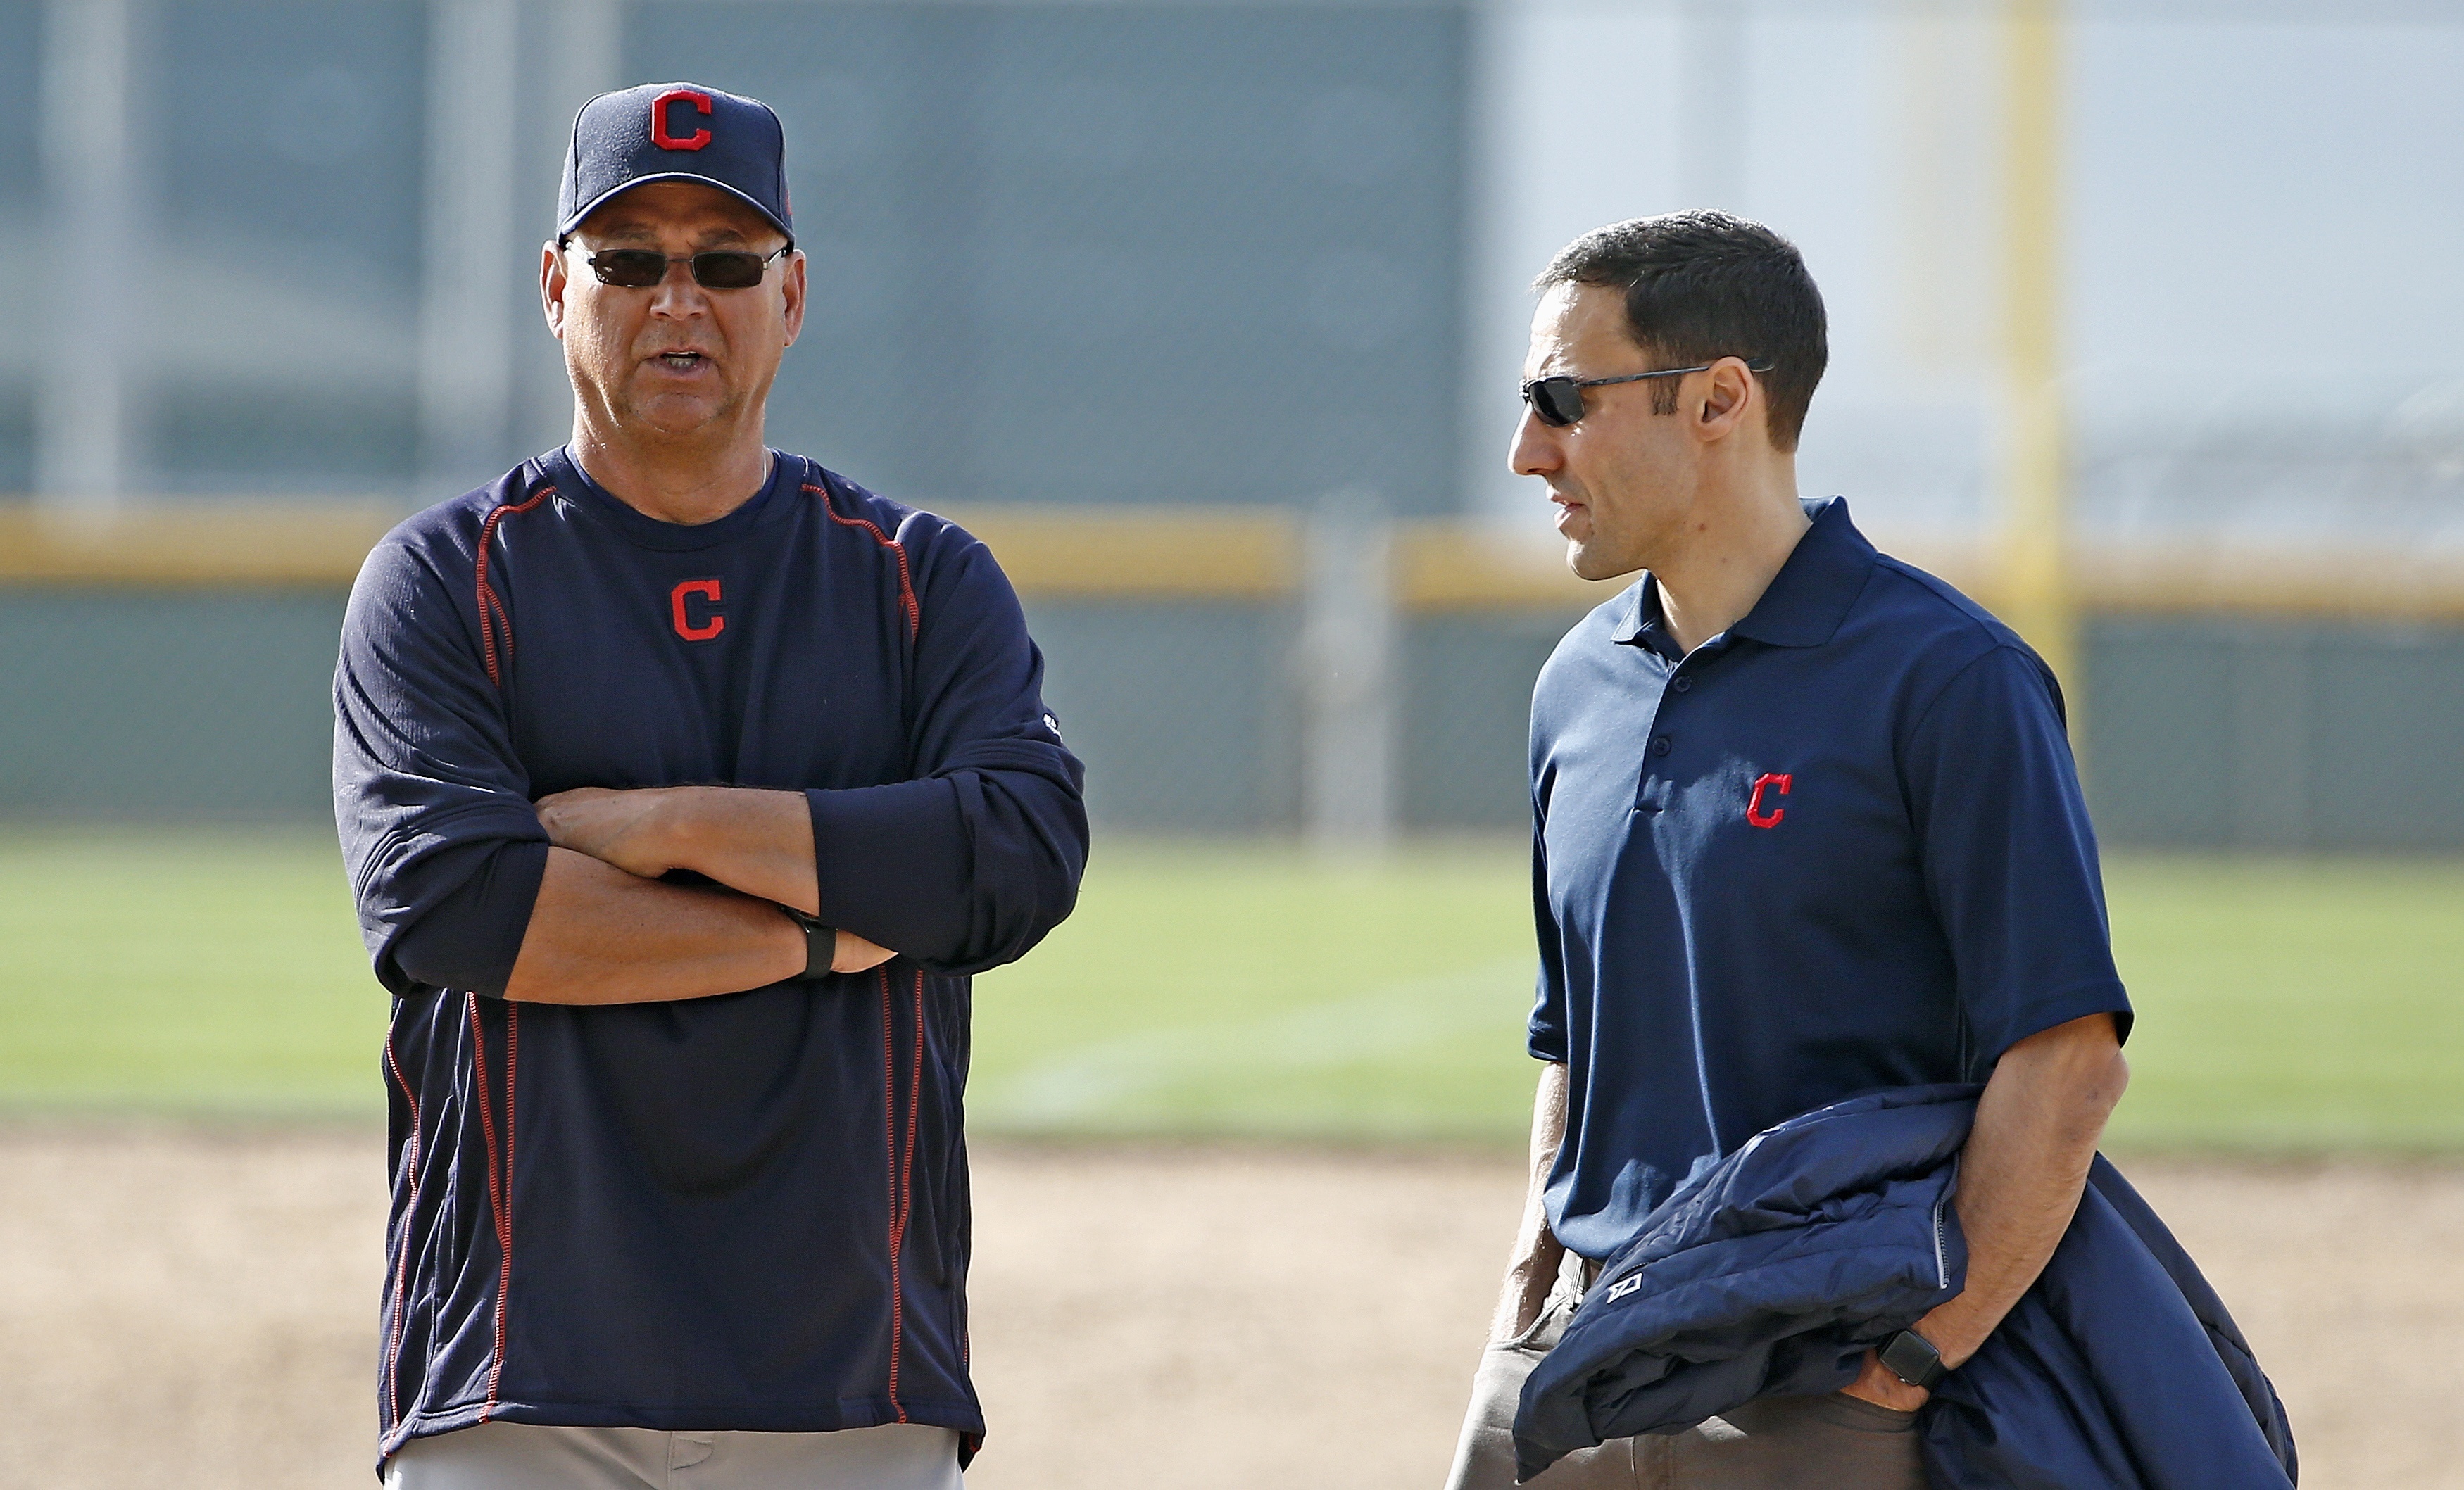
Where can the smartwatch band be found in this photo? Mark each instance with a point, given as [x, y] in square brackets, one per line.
[1913, 1359]
[821, 942]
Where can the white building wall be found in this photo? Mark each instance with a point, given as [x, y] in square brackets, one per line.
[2264, 323]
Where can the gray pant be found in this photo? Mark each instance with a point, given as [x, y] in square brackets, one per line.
[528, 1456]
[1832, 1442]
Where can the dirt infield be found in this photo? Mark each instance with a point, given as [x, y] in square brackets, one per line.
[199, 1309]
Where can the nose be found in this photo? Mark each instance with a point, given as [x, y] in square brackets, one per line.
[1534, 451]
[679, 296]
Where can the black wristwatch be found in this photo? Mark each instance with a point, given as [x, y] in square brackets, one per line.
[821, 943]
[1913, 1359]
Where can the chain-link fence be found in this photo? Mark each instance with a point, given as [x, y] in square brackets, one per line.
[1119, 258]
[1344, 674]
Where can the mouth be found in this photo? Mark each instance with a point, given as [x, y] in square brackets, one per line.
[680, 360]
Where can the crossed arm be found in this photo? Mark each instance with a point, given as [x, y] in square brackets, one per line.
[2027, 1159]
[605, 929]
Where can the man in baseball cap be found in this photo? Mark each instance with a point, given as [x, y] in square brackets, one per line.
[684, 784]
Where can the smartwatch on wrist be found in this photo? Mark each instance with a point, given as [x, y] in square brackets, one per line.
[1913, 1359]
[821, 942]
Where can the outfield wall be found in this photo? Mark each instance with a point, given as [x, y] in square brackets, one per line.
[184, 676]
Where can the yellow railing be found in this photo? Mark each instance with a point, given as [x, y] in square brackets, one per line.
[181, 546]
[1236, 554]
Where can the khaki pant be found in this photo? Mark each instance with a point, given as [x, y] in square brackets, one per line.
[1832, 1442]
[528, 1456]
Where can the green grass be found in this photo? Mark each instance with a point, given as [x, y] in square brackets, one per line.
[188, 972]
[2292, 1005]
[2285, 1006]
[1256, 990]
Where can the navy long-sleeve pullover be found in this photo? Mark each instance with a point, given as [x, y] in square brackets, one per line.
[745, 1212]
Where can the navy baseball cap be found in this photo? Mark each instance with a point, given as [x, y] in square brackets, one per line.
[674, 132]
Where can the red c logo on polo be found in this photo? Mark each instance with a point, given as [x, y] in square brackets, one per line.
[711, 624]
[659, 135]
[1755, 813]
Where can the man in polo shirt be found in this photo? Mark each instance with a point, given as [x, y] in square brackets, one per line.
[1806, 825]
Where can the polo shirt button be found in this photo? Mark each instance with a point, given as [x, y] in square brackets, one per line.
[1660, 746]
[1683, 682]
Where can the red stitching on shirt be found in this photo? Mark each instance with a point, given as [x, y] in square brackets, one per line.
[505, 1234]
[497, 1188]
[914, 1091]
[492, 606]
[486, 1113]
[906, 583]
[401, 1259]
[907, 1162]
[897, 1216]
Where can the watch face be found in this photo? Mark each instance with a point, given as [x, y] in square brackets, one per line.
[1913, 1359]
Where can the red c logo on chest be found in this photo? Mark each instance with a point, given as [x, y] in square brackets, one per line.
[711, 624]
[1755, 813]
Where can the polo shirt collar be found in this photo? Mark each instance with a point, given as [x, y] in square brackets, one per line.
[1806, 601]
[1641, 610]
[1811, 594]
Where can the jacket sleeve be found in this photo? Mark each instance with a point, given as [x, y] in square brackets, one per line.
[973, 861]
[2010, 859]
[443, 850]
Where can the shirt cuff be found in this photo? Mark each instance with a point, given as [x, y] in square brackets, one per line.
[891, 862]
[2098, 996]
[471, 938]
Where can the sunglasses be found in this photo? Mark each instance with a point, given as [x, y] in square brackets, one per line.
[1559, 401]
[720, 269]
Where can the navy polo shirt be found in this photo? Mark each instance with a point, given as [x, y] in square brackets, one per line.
[1838, 847]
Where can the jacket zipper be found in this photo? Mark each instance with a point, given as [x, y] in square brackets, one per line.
[1940, 1258]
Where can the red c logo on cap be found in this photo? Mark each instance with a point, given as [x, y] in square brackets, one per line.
[659, 135]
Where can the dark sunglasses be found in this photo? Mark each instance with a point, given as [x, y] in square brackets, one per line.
[1559, 401]
[720, 269]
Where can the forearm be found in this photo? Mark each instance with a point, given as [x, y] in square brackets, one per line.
[2038, 1125]
[2019, 1181]
[760, 843]
[757, 842]
[1531, 1268]
[598, 934]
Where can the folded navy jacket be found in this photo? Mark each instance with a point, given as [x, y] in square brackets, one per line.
[1771, 1272]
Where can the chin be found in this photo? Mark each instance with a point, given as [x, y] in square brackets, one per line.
[678, 415]
[1590, 563]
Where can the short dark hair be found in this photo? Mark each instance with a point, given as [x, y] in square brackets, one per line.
[1704, 285]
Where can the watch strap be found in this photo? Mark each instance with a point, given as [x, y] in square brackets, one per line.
[821, 942]
[1913, 1359]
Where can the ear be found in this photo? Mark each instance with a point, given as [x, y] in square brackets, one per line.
[1730, 396]
[791, 284]
[552, 283]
